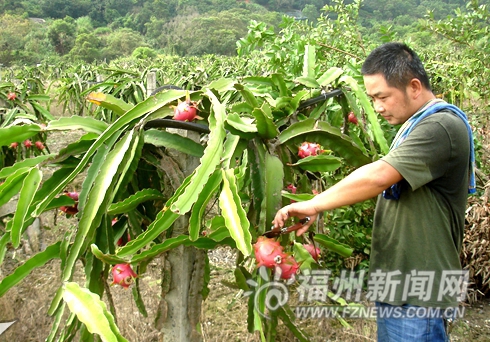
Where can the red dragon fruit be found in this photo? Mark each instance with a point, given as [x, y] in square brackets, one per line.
[289, 267]
[72, 210]
[185, 111]
[268, 252]
[123, 274]
[314, 251]
[309, 149]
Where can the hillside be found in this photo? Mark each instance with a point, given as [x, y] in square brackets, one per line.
[33, 31]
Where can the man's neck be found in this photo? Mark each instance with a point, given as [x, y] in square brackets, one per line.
[424, 100]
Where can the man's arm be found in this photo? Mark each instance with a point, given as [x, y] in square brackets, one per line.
[364, 183]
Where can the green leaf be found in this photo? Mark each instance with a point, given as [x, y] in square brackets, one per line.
[297, 197]
[21, 272]
[208, 243]
[256, 159]
[240, 123]
[56, 323]
[326, 135]
[241, 107]
[319, 163]
[38, 97]
[95, 207]
[209, 161]
[309, 61]
[45, 113]
[259, 80]
[164, 220]
[333, 245]
[294, 103]
[307, 81]
[329, 76]
[150, 105]
[231, 150]
[94, 168]
[160, 248]
[92, 312]
[118, 106]
[278, 80]
[86, 124]
[29, 187]
[287, 316]
[107, 258]
[12, 184]
[265, 125]
[222, 84]
[234, 215]
[247, 95]
[130, 162]
[218, 229]
[12, 134]
[76, 148]
[175, 141]
[201, 204]
[134, 200]
[3, 245]
[29, 162]
[138, 299]
[302, 256]
[371, 115]
[59, 202]
[274, 175]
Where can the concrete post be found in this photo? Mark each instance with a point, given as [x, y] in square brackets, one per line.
[151, 82]
[183, 274]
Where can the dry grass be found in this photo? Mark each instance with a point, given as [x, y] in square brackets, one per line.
[476, 245]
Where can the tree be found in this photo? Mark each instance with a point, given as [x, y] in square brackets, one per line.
[87, 48]
[311, 13]
[144, 52]
[58, 9]
[122, 42]
[12, 6]
[84, 25]
[38, 45]
[467, 31]
[13, 32]
[189, 34]
[62, 34]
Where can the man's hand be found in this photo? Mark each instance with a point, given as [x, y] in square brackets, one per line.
[299, 210]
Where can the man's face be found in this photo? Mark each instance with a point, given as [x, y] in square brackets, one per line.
[392, 103]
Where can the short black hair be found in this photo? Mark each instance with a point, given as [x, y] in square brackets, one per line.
[397, 63]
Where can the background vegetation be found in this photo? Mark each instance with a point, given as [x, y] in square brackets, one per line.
[52, 30]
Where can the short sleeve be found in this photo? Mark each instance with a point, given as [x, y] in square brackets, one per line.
[424, 155]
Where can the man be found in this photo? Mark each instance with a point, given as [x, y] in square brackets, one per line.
[422, 186]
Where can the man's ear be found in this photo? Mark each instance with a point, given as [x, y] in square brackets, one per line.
[415, 88]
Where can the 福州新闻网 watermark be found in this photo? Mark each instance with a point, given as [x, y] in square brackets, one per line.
[320, 287]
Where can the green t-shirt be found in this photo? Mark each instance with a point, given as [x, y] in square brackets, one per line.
[417, 239]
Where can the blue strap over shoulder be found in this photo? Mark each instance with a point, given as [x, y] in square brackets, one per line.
[394, 191]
